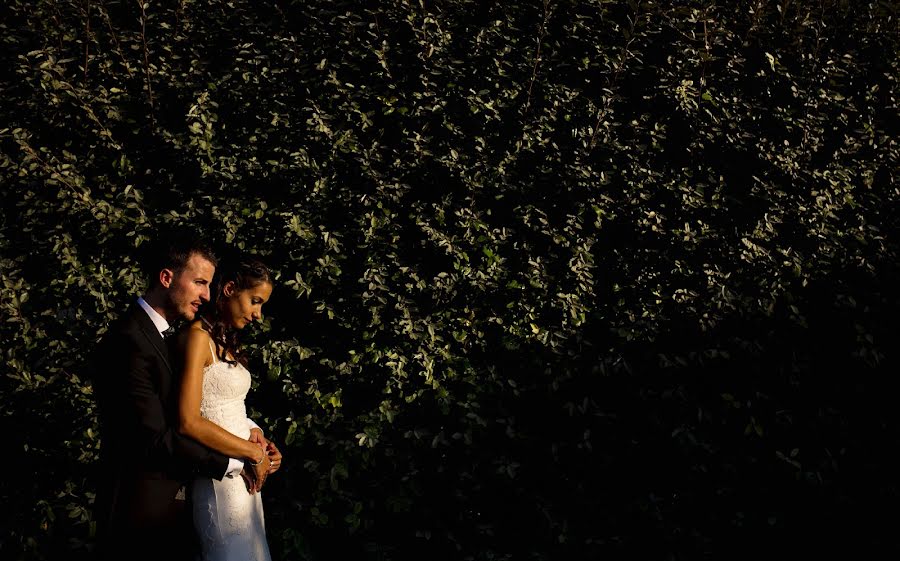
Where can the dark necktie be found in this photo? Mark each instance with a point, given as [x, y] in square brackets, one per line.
[168, 332]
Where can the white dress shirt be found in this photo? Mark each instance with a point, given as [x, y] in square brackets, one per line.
[234, 465]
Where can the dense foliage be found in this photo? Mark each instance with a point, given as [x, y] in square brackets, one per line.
[556, 280]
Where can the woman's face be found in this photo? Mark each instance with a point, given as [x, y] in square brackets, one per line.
[245, 306]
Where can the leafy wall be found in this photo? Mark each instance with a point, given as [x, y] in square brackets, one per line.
[556, 280]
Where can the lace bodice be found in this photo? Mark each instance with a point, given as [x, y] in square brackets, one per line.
[229, 521]
[225, 387]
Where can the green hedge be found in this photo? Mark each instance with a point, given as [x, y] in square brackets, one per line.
[556, 280]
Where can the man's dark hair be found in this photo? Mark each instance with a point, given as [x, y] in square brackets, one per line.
[173, 252]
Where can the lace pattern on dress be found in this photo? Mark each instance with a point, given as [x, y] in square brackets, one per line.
[228, 519]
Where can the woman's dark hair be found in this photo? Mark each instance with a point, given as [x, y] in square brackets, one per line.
[244, 273]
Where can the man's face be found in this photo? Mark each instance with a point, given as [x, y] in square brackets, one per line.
[190, 287]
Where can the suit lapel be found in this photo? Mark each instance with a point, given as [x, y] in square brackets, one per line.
[153, 336]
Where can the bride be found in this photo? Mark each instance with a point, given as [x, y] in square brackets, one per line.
[228, 514]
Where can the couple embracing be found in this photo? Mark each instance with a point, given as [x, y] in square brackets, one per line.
[182, 465]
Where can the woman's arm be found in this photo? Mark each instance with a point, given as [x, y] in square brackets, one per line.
[190, 423]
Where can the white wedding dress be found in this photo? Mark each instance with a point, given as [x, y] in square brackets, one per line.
[229, 520]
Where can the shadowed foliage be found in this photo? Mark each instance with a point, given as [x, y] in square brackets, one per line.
[555, 280]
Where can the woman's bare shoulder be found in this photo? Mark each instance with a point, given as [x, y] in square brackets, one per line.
[193, 331]
[196, 331]
[198, 325]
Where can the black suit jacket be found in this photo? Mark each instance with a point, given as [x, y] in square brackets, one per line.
[144, 460]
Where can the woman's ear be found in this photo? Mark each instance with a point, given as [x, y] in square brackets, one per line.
[228, 289]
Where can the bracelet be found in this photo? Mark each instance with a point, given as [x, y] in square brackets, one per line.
[259, 462]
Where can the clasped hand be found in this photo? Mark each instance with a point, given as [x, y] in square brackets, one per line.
[255, 475]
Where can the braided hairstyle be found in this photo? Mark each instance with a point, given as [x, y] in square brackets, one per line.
[244, 273]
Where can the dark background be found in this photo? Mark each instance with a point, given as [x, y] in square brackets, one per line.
[560, 280]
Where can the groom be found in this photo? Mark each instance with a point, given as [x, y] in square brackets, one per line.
[141, 507]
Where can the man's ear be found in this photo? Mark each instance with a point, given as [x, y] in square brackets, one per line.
[228, 289]
[166, 277]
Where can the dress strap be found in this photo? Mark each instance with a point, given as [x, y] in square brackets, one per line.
[212, 349]
[212, 344]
